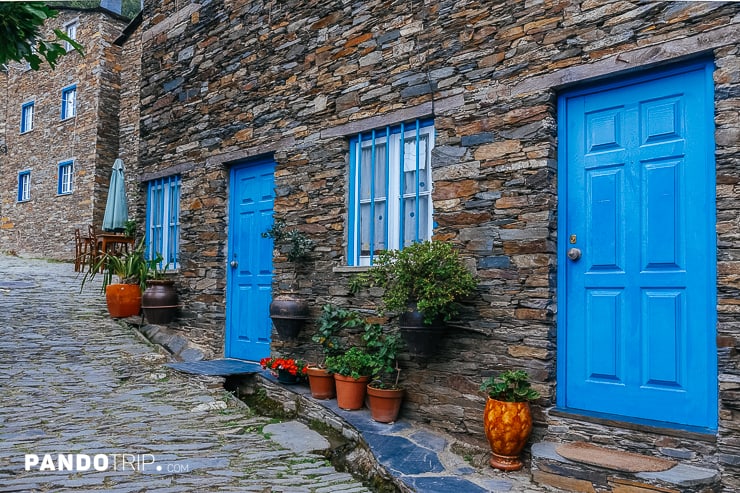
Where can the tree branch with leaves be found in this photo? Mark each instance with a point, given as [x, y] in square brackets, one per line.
[21, 37]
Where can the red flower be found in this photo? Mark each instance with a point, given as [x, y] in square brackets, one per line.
[292, 366]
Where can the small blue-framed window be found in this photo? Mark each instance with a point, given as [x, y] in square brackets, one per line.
[64, 182]
[390, 192]
[69, 102]
[163, 220]
[27, 117]
[24, 186]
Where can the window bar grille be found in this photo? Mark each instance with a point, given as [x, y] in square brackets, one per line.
[174, 215]
[358, 189]
[416, 198]
[371, 225]
[401, 208]
[387, 185]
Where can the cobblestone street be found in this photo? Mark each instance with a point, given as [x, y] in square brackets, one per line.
[78, 383]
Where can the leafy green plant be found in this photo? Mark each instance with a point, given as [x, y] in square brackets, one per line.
[130, 268]
[384, 348]
[430, 274]
[332, 321]
[355, 363]
[129, 228]
[21, 37]
[510, 386]
[297, 245]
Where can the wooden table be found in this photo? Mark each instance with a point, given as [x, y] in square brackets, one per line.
[113, 242]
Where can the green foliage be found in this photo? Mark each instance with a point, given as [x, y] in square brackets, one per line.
[20, 35]
[130, 268]
[355, 363]
[430, 274]
[510, 386]
[129, 8]
[294, 242]
[384, 348]
[129, 228]
[380, 350]
[332, 321]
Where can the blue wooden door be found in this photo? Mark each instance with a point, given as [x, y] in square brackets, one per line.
[249, 269]
[637, 335]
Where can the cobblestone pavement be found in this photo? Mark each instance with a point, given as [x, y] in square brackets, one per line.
[75, 382]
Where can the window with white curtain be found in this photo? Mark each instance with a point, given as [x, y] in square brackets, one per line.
[390, 189]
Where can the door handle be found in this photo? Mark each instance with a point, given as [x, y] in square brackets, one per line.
[574, 254]
[234, 264]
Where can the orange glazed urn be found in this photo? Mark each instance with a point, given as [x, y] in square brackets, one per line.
[507, 425]
[123, 300]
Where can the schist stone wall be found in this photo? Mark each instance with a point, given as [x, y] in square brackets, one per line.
[45, 224]
[224, 81]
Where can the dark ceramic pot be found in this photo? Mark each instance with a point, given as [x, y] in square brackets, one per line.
[159, 301]
[288, 315]
[421, 339]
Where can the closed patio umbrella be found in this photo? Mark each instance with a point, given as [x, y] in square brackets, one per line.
[116, 208]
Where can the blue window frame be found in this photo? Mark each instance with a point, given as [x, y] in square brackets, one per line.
[69, 102]
[24, 186]
[390, 193]
[64, 182]
[163, 220]
[27, 117]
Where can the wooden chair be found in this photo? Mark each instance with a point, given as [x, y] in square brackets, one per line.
[92, 238]
[79, 260]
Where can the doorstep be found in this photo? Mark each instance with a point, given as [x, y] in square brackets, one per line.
[610, 470]
[413, 457]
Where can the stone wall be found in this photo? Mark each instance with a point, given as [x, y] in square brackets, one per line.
[129, 117]
[227, 80]
[44, 225]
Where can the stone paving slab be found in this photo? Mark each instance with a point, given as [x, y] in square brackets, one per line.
[77, 383]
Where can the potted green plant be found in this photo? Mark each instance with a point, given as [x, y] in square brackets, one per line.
[507, 419]
[131, 270]
[352, 371]
[129, 228]
[384, 394]
[332, 320]
[422, 283]
[287, 311]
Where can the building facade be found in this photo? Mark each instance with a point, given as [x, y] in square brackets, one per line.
[61, 136]
[582, 156]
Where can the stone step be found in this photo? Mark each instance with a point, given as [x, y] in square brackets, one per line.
[585, 468]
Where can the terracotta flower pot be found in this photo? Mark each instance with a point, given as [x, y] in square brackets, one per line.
[385, 404]
[123, 300]
[351, 392]
[321, 383]
[507, 425]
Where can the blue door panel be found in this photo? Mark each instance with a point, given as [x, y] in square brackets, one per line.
[249, 279]
[637, 330]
